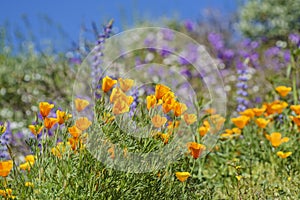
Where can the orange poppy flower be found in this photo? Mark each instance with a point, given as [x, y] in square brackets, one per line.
[125, 84]
[248, 113]
[168, 105]
[259, 111]
[35, 129]
[151, 101]
[283, 90]
[165, 137]
[168, 95]
[195, 149]
[28, 164]
[74, 131]
[7, 193]
[189, 118]
[296, 109]
[276, 140]
[182, 176]
[296, 119]
[83, 123]
[120, 107]
[50, 122]
[217, 122]
[283, 155]
[210, 111]
[261, 122]
[161, 90]
[179, 108]
[158, 121]
[203, 130]
[45, 108]
[108, 83]
[81, 104]
[5, 167]
[240, 121]
[62, 116]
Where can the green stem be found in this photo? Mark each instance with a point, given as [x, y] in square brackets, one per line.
[294, 73]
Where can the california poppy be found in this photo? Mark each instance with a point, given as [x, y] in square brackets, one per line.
[5, 167]
[45, 108]
[108, 83]
[189, 118]
[195, 149]
[276, 139]
[35, 129]
[283, 90]
[261, 122]
[120, 107]
[182, 176]
[74, 131]
[83, 123]
[125, 84]
[240, 121]
[50, 122]
[158, 121]
[161, 90]
[81, 104]
[283, 155]
[62, 116]
[151, 101]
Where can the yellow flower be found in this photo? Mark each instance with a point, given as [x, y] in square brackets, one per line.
[83, 123]
[7, 193]
[203, 130]
[151, 101]
[108, 83]
[283, 90]
[125, 84]
[81, 104]
[195, 149]
[120, 107]
[240, 121]
[283, 155]
[45, 108]
[182, 176]
[28, 164]
[189, 118]
[62, 116]
[248, 113]
[60, 149]
[179, 108]
[50, 122]
[276, 140]
[239, 177]
[29, 184]
[35, 129]
[275, 107]
[158, 121]
[2, 128]
[296, 109]
[261, 122]
[161, 90]
[165, 137]
[5, 167]
[74, 131]
[259, 111]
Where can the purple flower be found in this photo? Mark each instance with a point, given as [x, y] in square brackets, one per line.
[189, 25]
[167, 34]
[294, 38]
[216, 41]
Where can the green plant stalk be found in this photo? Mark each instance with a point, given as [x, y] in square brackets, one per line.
[294, 73]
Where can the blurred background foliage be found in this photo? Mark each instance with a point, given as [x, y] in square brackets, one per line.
[33, 71]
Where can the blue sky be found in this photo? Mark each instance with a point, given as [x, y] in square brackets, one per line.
[69, 15]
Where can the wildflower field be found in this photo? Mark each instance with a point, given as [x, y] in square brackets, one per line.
[153, 113]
